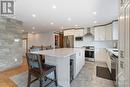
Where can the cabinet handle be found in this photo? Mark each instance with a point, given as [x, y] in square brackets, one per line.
[121, 64]
[79, 54]
[122, 54]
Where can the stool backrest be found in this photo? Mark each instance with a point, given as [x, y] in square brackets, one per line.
[34, 61]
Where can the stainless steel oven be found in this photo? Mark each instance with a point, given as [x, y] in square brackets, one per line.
[89, 53]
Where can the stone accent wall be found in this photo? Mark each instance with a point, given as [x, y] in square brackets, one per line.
[11, 49]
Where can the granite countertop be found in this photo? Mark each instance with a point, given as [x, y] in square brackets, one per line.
[62, 52]
[112, 51]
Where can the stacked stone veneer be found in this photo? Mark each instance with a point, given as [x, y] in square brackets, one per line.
[11, 49]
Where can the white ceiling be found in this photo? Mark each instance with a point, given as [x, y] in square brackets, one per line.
[80, 12]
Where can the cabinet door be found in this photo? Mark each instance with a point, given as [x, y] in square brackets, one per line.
[102, 33]
[68, 32]
[108, 32]
[100, 55]
[92, 31]
[78, 32]
[115, 30]
[108, 60]
[97, 33]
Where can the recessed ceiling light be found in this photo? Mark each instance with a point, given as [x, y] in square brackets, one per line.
[76, 25]
[15, 60]
[16, 40]
[95, 13]
[22, 30]
[95, 21]
[34, 15]
[33, 28]
[54, 6]
[62, 27]
[69, 19]
[51, 23]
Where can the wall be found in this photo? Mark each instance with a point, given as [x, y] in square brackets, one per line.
[39, 39]
[11, 49]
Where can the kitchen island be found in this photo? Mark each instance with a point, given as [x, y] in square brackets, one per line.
[61, 59]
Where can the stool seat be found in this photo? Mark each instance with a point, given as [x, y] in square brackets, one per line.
[46, 69]
[39, 69]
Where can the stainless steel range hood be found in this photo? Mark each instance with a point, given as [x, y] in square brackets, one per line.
[89, 35]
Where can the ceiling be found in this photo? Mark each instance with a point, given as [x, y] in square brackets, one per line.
[50, 15]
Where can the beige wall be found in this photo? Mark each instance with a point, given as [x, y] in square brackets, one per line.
[38, 39]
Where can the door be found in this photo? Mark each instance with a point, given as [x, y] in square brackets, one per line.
[124, 42]
[61, 40]
[121, 61]
[127, 47]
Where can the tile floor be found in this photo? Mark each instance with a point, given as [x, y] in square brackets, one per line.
[86, 78]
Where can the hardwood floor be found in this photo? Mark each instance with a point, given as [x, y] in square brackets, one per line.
[5, 75]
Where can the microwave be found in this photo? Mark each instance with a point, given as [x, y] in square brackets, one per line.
[79, 38]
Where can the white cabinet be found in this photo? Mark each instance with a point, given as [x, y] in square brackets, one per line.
[75, 32]
[108, 32]
[80, 61]
[79, 32]
[97, 33]
[103, 33]
[115, 30]
[69, 32]
[100, 55]
[108, 59]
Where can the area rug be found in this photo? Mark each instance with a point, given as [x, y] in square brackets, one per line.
[103, 72]
[21, 80]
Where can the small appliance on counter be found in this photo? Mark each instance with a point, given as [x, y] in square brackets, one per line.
[89, 53]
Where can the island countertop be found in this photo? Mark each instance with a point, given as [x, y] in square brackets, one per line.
[62, 52]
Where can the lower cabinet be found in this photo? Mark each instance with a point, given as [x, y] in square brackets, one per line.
[100, 55]
[79, 62]
[108, 61]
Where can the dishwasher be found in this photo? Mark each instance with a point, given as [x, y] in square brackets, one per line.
[71, 70]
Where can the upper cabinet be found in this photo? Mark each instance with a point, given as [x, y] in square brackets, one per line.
[115, 30]
[108, 32]
[75, 32]
[69, 32]
[78, 32]
[103, 33]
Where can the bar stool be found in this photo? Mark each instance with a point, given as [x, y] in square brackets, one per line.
[39, 70]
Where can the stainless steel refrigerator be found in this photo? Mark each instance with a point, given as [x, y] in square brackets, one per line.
[69, 41]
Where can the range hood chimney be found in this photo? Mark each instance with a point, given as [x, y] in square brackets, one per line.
[89, 35]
